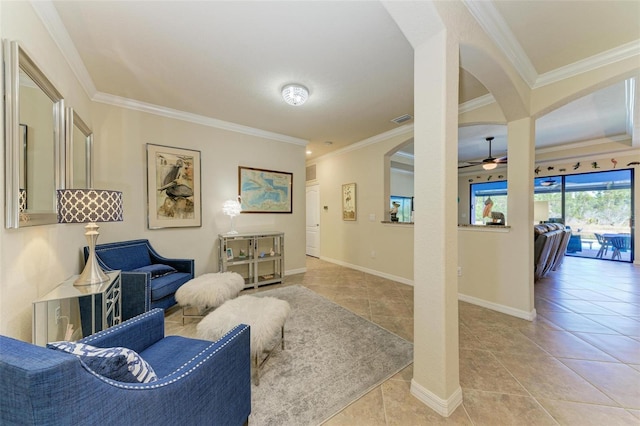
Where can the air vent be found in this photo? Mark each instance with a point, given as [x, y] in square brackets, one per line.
[311, 172]
[402, 119]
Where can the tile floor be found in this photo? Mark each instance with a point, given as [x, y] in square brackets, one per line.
[578, 363]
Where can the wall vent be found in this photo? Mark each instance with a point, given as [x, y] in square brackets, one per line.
[311, 172]
[402, 119]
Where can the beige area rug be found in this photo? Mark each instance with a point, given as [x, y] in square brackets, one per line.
[332, 358]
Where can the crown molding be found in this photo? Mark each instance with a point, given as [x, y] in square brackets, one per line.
[494, 25]
[479, 102]
[583, 144]
[407, 128]
[48, 14]
[404, 155]
[609, 57]
[193, 118]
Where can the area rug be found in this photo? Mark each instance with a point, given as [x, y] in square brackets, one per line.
[332, 358]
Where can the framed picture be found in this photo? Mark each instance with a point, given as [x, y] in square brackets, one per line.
[349, 208]
[265, 191]
[229, 254]
[173, 187]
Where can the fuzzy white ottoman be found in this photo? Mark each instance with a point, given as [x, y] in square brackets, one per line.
[208, 291]
[265, 315]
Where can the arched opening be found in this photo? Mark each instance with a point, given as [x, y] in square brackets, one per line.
[398, 183]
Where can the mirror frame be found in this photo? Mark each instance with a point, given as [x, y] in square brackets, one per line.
[16, 59]
[73, 120]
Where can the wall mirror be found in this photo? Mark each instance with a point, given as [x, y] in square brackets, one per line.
[79, 152]
[34, 127]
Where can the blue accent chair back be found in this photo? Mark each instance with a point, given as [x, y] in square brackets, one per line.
[199, 382]
[142, 290]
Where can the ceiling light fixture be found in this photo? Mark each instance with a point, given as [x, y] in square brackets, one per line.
[295, 94]
[489, 166]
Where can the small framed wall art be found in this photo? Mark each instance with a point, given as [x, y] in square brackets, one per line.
[173, 187]
[349, 208]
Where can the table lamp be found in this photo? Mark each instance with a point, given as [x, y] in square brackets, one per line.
[22, 205]
[89, 206]
[540, 211]
[232, 208]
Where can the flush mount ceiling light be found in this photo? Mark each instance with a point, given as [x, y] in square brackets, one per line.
[295, 94]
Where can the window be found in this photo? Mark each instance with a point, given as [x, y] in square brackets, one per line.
[594, 205]
[485, 194]
[405, 207]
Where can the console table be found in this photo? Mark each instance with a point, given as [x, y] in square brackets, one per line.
[258, 257]
[71, 312]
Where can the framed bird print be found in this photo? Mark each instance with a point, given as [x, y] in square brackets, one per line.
[173, 187]
[349, 211]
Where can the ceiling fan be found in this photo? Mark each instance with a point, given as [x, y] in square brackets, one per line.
[488, 163]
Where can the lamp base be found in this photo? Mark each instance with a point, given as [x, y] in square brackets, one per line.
[233, 227]
[92, 274]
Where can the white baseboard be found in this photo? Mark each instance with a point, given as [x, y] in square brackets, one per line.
[529, 316]
[369, 271]
[295, 271]
[444, 407]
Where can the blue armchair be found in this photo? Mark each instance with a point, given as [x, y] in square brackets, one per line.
[149, 280]
[199, 382]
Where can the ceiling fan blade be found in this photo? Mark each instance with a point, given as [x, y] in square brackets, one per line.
[469, 165]
[501, 159]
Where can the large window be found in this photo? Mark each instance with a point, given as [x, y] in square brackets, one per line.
[596, 206]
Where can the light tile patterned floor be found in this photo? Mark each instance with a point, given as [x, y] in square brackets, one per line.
[578, 363]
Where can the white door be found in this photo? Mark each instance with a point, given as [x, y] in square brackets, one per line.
[313, 221]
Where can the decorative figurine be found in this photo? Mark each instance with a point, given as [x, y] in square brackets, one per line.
[394, 211]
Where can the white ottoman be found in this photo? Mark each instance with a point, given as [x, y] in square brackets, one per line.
[265, 315]
[208, 291]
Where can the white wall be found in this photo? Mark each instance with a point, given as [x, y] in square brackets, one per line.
[34, 260]
[365, 244]
[401, 183]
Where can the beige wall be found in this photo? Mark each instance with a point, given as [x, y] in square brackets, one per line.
[366, 243]
[34, 260]
[120, 147]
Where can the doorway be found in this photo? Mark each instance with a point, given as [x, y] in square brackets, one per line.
[313, 221]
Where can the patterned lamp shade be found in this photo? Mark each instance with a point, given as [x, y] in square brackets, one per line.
[22, 200]
[89, 206]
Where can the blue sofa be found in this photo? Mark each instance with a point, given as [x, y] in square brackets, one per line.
[199, 382]
[145, 282]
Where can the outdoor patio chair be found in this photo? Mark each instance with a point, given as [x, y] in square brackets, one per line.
[619, 245]
[604, 245]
